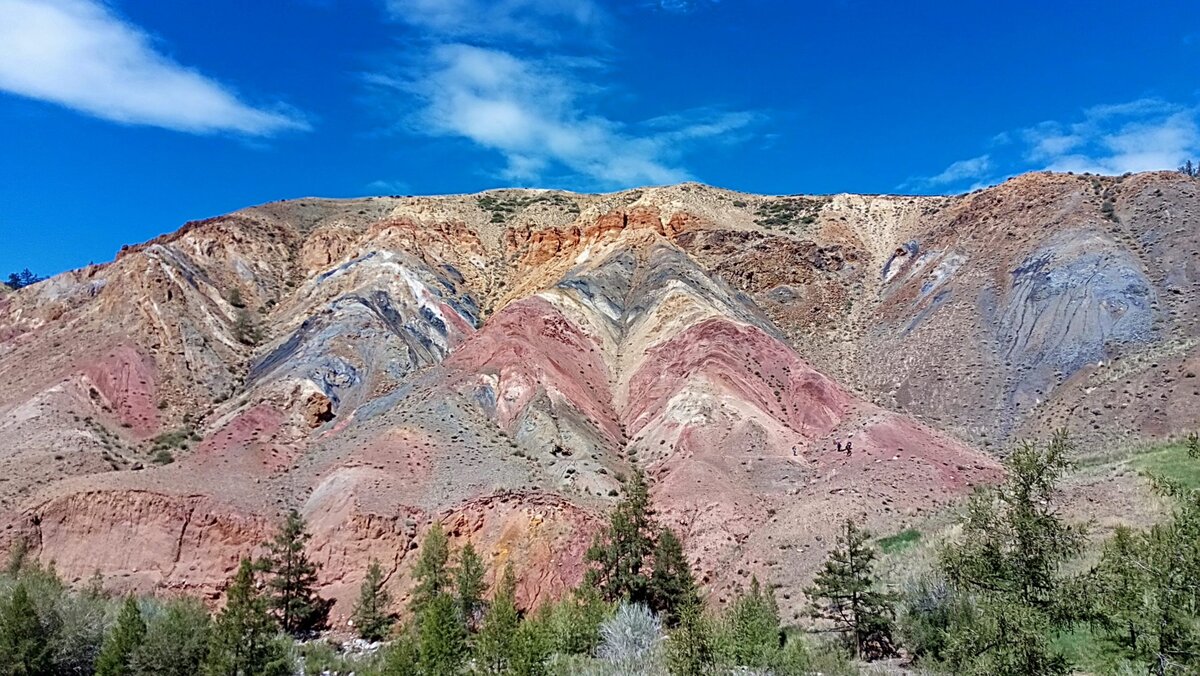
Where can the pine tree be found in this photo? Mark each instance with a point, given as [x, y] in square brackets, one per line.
[371, 618]
[621, 552]
[123, 640]
[402, 657]
[1008, 561]
[1193, 446]
[469, 584]
[292, 580]
[672, 587]
[441, 637]
[495, 646]
[24, 648]
[754, 628]
[243, 640]
[531, 650]
[573, 624]
[690, 648]
[845, 593]
[431, 574]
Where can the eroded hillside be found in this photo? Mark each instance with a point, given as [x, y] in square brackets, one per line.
[499, 361]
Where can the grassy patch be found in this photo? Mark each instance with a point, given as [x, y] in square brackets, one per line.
[899, 542]
[501, 207]
[788, 211]
[1171, 461]
[1085, 649]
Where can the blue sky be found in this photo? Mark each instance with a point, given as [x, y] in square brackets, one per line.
[121, 119]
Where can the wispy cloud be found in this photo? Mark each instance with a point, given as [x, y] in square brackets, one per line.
[539, 108]
[488, 21]
[680, 6]
[386, 187]
[78, 54]
[971, 169]
[1142, 135]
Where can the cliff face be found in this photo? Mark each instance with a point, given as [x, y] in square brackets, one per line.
[498, 361]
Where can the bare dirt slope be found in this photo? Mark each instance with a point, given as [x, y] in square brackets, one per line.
[499, 361]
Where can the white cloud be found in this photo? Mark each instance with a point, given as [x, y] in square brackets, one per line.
[974, 168]
[1142, 135]
[535, 107]
[536, 21]
[78, 54]
[533, 112]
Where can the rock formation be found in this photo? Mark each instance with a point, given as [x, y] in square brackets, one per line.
[499, 361]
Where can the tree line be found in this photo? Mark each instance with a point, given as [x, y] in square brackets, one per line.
[1004, 596]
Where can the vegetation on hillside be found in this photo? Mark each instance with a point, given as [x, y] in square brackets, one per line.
[22, 279]
[1010, 592]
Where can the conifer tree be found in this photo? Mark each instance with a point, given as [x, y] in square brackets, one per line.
[672, 586]
[690, 648]
[754, 628]
[122, 641]
[621, 552]
[292, 580]
[441, 637]
[496, 644]
[572, 626]
[243, 639]
[844, 592]
[1008, 560]
[370, 616]
[432, 575]
[402, 657]
[469, 585]
[24, 648]
[531, 650]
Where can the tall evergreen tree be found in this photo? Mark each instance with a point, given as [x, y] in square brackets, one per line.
[24, 648]
[496, 644]
[1008, 560]
[755, 635]
[690, 648]
[292, 580]
[123, 640]
[621, 552]
[370, 616]
[468, 577]
[672, 586]
[243, 640]
[531, 650]
[845, 593]
[432, 574]
[441, 637]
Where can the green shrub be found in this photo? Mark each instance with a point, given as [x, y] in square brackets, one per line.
[176, 639]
